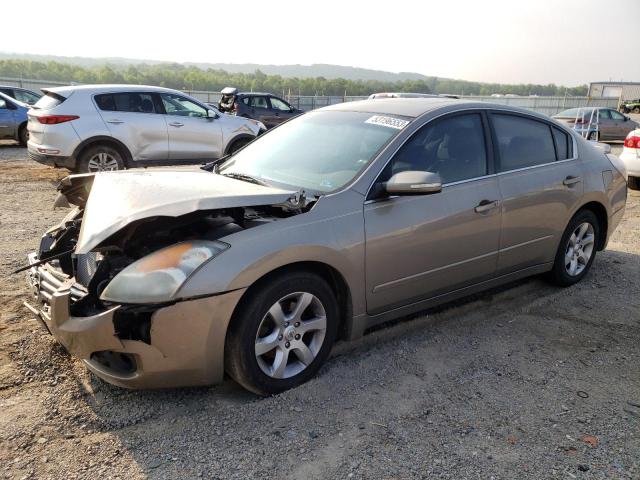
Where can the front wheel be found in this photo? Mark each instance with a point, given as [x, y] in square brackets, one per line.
[577, 249]
[238, 144]
[23, 135]
[634, 183]
[282, 334]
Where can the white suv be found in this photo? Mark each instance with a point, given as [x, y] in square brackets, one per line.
[110, 127]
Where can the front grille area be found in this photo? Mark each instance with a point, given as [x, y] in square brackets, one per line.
[46, 279]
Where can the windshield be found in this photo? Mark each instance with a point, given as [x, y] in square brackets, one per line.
[318, 151]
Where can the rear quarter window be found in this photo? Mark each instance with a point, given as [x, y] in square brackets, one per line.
[563, 144]
[522, 142]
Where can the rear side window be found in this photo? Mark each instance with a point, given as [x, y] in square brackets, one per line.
[126, 102]
[604, 115]
[259, 102]
[48, 101]
[563, 146]
[522, 142]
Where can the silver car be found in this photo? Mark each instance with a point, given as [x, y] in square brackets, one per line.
[96, 128]
[332, 223]
[598, 124]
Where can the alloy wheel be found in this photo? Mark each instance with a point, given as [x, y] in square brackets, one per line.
[102, 162]
[579, 249]
[290, 335]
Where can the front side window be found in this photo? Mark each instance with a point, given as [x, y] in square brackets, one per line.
[453, 147]
[178, 105]
[522, 142]
[278, 104]
[259, 102]
[26, 97]
[316, 152]
[616, 115]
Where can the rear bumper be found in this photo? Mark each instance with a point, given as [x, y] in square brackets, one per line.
[631, 161]
[186, 345]
[53, 160]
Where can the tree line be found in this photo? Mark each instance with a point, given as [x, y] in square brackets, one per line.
[182, 77]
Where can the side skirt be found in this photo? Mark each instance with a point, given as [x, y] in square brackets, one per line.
[363, 322]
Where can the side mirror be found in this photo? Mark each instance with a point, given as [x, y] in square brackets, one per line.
[212, 114]
[414, 182]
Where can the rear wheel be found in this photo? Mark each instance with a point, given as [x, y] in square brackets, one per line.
[284, 332]
[595, 136]
[577, 249]
[23, 135]
[634, 183]
[636, 109]
[100, 158]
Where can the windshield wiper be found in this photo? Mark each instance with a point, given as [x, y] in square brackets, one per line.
[245, 178]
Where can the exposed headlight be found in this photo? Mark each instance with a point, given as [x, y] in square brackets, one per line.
[158, 276]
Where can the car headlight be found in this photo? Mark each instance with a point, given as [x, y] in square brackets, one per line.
[158, 276]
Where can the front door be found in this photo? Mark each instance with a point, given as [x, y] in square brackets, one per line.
[280, 111]
[418, 247]
[192, 135]
[621, 125]
[7, 122]
[540, 184]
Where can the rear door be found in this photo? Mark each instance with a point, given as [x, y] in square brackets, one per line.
[192, 135]
[420, 246]
[135, 119]
[259, 110]
[7, 120]
[540, 183]
[606, 125]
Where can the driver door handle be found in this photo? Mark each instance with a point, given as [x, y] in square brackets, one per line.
[176, 124]
[571, 180]
[486, 205]
[115, 121]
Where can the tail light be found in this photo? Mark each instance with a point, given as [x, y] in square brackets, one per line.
[235, 106]
[632, 141]
[55, 119]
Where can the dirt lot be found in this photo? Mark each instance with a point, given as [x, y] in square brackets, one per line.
[528, 381]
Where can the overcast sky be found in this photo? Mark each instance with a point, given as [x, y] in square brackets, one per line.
[567, 42]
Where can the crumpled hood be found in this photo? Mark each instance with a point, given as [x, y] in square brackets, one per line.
[117, 199]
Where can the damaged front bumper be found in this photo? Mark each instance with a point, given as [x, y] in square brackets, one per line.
[184, 346]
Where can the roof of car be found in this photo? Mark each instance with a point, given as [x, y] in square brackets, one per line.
[407, 107]
[107, 88]
[256, 94]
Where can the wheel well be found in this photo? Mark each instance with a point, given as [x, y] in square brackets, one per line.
[124, 151]
[603, 220]
[333, 278]
[239, 138]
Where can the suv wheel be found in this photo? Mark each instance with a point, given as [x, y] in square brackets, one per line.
[577, 249]
[100, 158]
[282, 334]
[23, 135]
[636, 109]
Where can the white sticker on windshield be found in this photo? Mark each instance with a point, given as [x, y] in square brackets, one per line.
[388, 122]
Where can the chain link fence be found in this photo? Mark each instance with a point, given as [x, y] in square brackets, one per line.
[546, 105]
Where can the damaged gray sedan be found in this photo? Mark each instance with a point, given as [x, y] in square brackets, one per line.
[333, 223]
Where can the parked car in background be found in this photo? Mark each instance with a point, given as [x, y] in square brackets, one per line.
[599, 124]
[94, 128]
[337, 221]
[630, 156]
[265, 107]
[410, 95]
[21, 94]
[13, 119]
[630, 106]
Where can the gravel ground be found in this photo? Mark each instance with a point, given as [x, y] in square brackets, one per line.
[526, 381]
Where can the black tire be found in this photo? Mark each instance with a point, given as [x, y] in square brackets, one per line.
[86, 166]
[23, 135]
[559, 275]
[634, 183]
[636, 109]
[595, 136]
[238, 144]
[241, 362]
